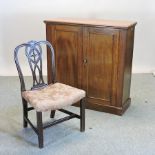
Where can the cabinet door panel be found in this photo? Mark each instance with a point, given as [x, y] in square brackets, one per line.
[67, 45]
[101, 54]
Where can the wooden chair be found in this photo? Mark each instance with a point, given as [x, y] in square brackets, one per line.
[46, 97]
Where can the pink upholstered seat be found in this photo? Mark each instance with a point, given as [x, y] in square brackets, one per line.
[53, 97]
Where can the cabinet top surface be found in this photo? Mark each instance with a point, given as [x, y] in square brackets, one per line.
[96, 22]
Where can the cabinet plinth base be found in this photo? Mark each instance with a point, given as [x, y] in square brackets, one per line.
[107, 108]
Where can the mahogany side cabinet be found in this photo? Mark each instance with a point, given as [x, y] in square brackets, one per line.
[94, 55]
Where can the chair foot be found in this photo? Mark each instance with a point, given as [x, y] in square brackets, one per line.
[40, 144]
[25, 123]
[40, 129]
[52, 114]
[82, 115]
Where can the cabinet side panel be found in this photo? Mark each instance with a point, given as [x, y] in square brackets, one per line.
[128, 65]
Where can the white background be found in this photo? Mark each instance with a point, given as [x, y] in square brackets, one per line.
[22, 20]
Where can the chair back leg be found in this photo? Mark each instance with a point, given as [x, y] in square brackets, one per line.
[82, 115]
[52, 114]
[40, 129]
[25, 112]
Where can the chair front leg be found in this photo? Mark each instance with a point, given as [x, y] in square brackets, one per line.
[25, 112]
[40, 129]
[52, 114]
[82, 115]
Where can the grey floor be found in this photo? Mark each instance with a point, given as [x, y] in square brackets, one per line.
[106, 134]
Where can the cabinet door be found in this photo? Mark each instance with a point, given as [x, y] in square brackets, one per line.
[100, 46]
[67, 41]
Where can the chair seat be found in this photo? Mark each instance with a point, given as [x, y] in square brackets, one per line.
[53, 97]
